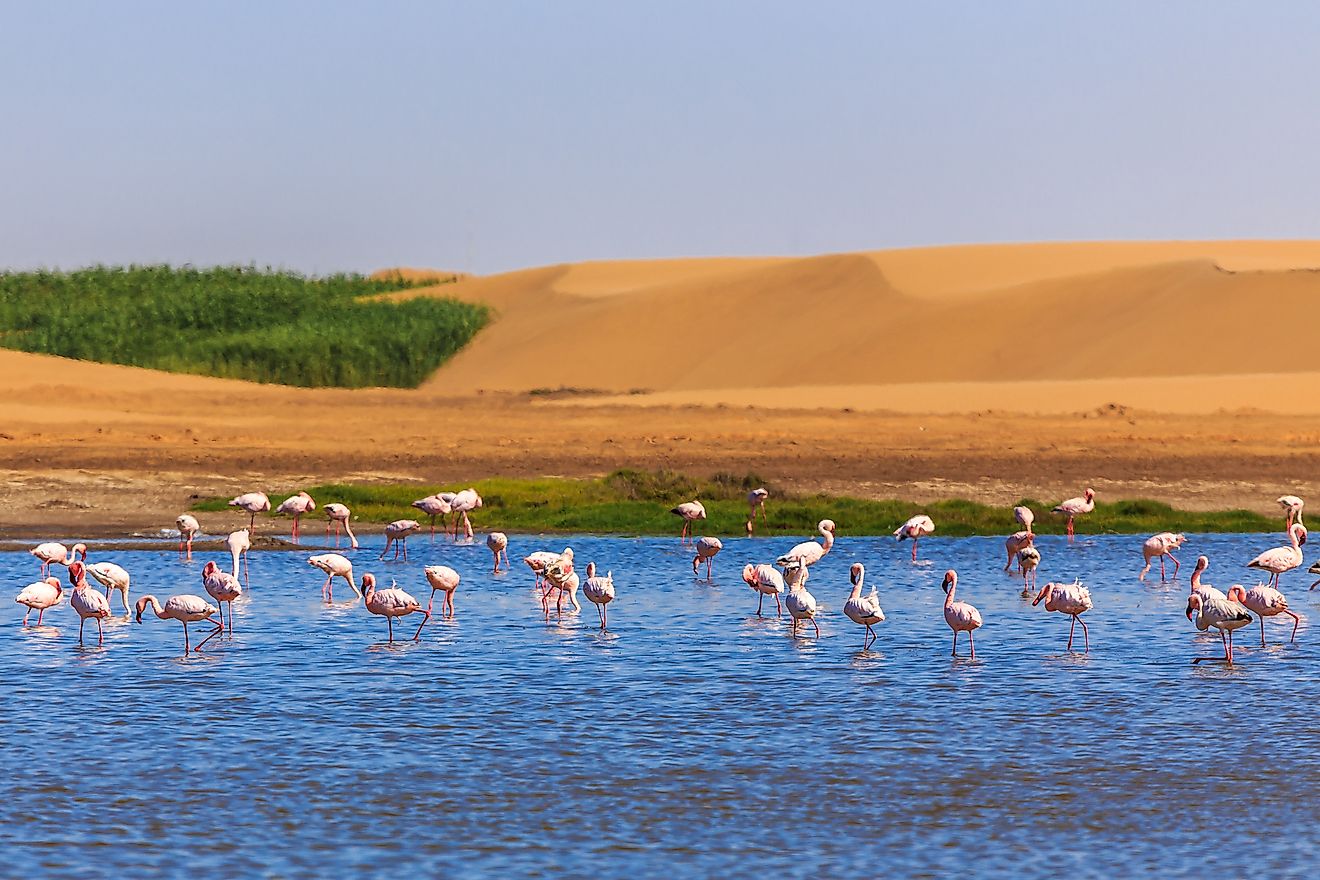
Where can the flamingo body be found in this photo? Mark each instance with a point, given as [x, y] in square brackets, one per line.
[706, 548]
[863, 610]
[335, 566]
[39, 596]
[766, 581]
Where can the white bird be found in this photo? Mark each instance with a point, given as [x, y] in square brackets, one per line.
[1075, 507]
[915, 528]
[222, 587]
[39, 596]
[188, 526]
[87, 603]
[462, 504]
[54, 553]
[184, 608]
[1281, 559]
[1158, 547]
[808, 553]
[254, 503]
[338, 515]
[1028, 562]
[444, 579]
[690, 511]
[397, 533]
[239, 543]
[1071, 599]
[766, 581]
[1224, 615]
[538, 561]
[112, 577]
[1014, 543]
[864, 610]
[706, 549]
[960, 616]
[334, 565]
[801, 605]
[1292, 507]
[599, 590]
[498, 543]
[1024, 516]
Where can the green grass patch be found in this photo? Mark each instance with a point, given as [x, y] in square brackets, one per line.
[237, 322]
[637, 503]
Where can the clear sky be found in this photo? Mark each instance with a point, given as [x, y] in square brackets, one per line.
[494, 135]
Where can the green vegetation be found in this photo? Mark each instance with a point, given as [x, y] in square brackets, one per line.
[638, 503]
[237, 322]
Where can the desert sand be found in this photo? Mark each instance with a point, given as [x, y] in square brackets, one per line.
[1177, 371]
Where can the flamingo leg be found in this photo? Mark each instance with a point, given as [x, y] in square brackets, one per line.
[817, 626]
[1086, 635]
[1230, 647]
[760, 597]
[954, 653]
[390, 620]
[449, 602]
[1296, 620]
[1161, 569]
[779, 607]
[1262, 629]
[418, 634]
[914, 549]
[971, 641]
[81, 621]
[219, 628]
[1070, 632]
[326, 587]
[186, 646]
[604, 617]
[1176, 564]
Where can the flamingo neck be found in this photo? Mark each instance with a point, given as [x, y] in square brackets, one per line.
[857, 589]
[827, 540]
[155, 605]
[948, 597]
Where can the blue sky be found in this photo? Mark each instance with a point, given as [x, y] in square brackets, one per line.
[490, 136]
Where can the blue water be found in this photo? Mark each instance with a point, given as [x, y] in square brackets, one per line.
[693, 740]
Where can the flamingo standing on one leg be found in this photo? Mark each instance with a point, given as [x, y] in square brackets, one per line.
[397, 533]
[334, 566]
[1280, 559]
[1224, 615]
[766, 581]
[338, 515]
[188, 526]
[39, 596]
[1075, 507]
[1028, 562]
[433, 506]
[296, 505]
[498, 543]
[1025, 517]
[864, 610]
[1292, 508]
[756, 501]
[444, 579]
[1013, 544]
[54, 553]
[254, 503]
[186, 609]
[1160, 546]
[801, 605]
[1265, 602]
[706, 549]
[391, 603]
[690, 511]
[88, 603]
[599, 591]
[222, 587]
[1071, 599]
[960, 616]
[917, 527]
[239, 543]
[112, 577]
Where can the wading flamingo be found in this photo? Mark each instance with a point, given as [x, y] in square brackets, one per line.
[1292, 508]
[1075, 507]
[54, 553]
[960, 616]
[254, 503]
[1265, 602]
[87, 603]
[864, 610]
[498, 542]
[40, 596]
[1158, 547]
[239, 543]
[1024, 516]
[1223, 614]
[1281, 559]
[462, 504]
[1013, 544]
[706, 549]
[444, 579]
[808, 553]
[296, 506]
[766, 581]
[338, 515]
[560, 576]
[397, 533]
[392, 603]
[801, 605]
[1196, 588]
[186, 609]
[917, 527]
[756, 501]
[599, 591]
[222, 587]
[690, 511]
[1070, 599]
[188, 526]
[112, 577]
[538, 561]
[334, 566]
[433, 506]
[1028, 562]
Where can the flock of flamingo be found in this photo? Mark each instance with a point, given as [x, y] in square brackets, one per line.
[555, 574]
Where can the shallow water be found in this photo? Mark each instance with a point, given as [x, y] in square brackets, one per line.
[694, 739]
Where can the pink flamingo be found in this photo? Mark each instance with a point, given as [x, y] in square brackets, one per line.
[690, 511]
[1024, 516]
[1280, 559]
[1028, 562]
[1014, 543]
[433, 506]
[334, 566]
[254, 503]
[599, 591]
[960, 616]
[1071, 599]
[1224, 615]
[40, 596]
[296, 505]
[444, 579]
[112, 577]
[397, 533]
[188, 526]
[706, 549]
[917, 527]
[1292, 508]
[54, 553]
[538, 561]
[87, 603]
[766, 581]
[864, 610]
[462, 504]
[222, 587]
[338, 515]
[808, 553]
[561, 577]
[756, 501]
[498, 543]
[801, 605]
[392, 603]
[1075, 507]
[239, 543]
[1265, 602]
[186, 609]
[1158, 547]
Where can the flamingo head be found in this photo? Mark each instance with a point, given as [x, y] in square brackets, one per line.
[1297, 528]
[1090, 494]
[1179, 540]
[950, 580]
[209, 569]
[749, 574]
[1202, 563]
[1237, 593]
[1043, 594]
[368, 582]
[591, 569]
[1193, 605]
[856, 573]
[142, 606]
[77, 572]
[825, 525]
[80, 550]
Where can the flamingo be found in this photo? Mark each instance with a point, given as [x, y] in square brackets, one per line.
[296, 505]
[808, 553]
[1024, 516]
[392, 603]
[1224, 615]
[600, 591]
[706, 549]
[239, 543]
[1160, 546]
[1196, 588]
[184, 608]
[222, 587]
[538, 561]
[1265, 602]
[756, 500]
[1292, 507]
[915, 528]
[112, 577]
[334, 566]
[1280, 559]
[462, 503]
[690, 511]
[864, 610]
[397, 533]
[766, 581]
[1013, 544]
[339, 515]
[188, 526]
[960, 616]
[561, 564]
[1075, 507]
[87, 603]
[1028, 562]
[566, 581]
[39, 596]
[433, 506]
[498, 542]
[801, 605]
[1071, 599]
[442, 578]
[54, 553]
[254, 503]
